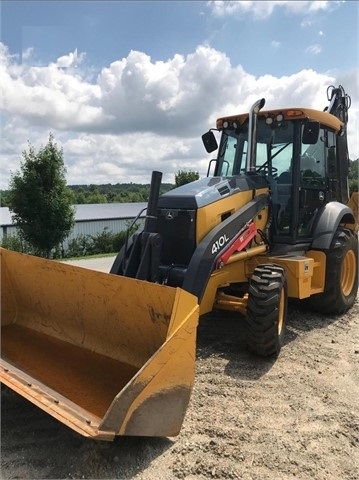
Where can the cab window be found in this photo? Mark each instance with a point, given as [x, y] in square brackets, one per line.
[312, 164]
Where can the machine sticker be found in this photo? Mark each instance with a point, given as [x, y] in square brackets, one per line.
[218, 244]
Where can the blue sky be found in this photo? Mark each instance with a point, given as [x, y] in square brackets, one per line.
[128, 87]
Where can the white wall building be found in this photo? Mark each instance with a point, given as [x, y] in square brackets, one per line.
[90, 219]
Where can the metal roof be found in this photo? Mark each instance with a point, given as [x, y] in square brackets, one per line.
[93, 211]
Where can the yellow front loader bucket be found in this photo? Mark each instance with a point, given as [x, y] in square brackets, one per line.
[106, 355]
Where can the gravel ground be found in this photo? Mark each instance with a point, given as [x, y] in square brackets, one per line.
[249, 419]
[102, 264]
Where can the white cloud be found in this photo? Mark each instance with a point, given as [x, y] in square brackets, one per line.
[275, 44]
[256, 8]
[314, 49]
[27, 53]
[70, 60]
[138, 94]
[48, 95]
[126, 158]
[263, 9]
[306, 23]
[140, 115]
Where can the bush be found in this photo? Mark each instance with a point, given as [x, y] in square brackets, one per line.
[80, 246]
[104, 242]
[353, 185]
[118, 241]
[17, 244]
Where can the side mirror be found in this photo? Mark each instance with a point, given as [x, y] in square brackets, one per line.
[311, 133]
[209, 141]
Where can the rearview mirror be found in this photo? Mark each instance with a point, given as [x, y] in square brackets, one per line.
[311, 133]
[209, 141]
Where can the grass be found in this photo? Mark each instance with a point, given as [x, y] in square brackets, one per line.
[89, 257]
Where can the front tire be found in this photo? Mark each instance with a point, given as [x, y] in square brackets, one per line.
[341, 278]
[267, 310]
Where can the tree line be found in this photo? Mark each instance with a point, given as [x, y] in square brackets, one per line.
[113, 193]
[136, 192]
[107, 193]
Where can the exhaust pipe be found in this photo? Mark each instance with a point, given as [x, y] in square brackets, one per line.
[252, 136]
[151, 217]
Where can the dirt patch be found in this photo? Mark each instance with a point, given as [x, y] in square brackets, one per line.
[249, 419]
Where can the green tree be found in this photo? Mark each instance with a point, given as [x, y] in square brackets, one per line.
[4, 201]
[96, 197]
[353, 175]
[354, 169]
[182, 177]
[39, 199]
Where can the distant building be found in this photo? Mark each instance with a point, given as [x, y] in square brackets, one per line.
[90, 219]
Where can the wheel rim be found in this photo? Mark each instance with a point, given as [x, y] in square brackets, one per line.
[348, 272]
[281, 312]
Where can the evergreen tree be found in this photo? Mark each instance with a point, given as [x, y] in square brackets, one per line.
[40, 200]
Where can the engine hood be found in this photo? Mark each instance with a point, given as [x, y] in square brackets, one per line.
[208, 190]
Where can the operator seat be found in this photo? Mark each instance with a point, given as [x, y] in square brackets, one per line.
[310, 172]
[308, 166]
[284, 178]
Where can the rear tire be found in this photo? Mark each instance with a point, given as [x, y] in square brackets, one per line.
[267, 310]
[341, 278]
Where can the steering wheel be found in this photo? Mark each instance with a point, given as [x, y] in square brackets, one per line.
[265, 169]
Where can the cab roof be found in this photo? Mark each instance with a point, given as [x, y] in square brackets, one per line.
[324, 118]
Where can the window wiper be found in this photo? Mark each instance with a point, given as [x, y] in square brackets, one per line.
[279, 151]
[223, 147]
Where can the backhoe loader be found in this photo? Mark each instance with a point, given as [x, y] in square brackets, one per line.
[114, 354]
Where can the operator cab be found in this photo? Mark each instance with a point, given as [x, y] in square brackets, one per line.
[297, 158]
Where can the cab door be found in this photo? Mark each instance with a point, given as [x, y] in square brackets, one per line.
[313, 184]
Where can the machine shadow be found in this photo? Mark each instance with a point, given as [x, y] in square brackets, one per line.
[35, 445]
[224, 334]
[301, 318]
